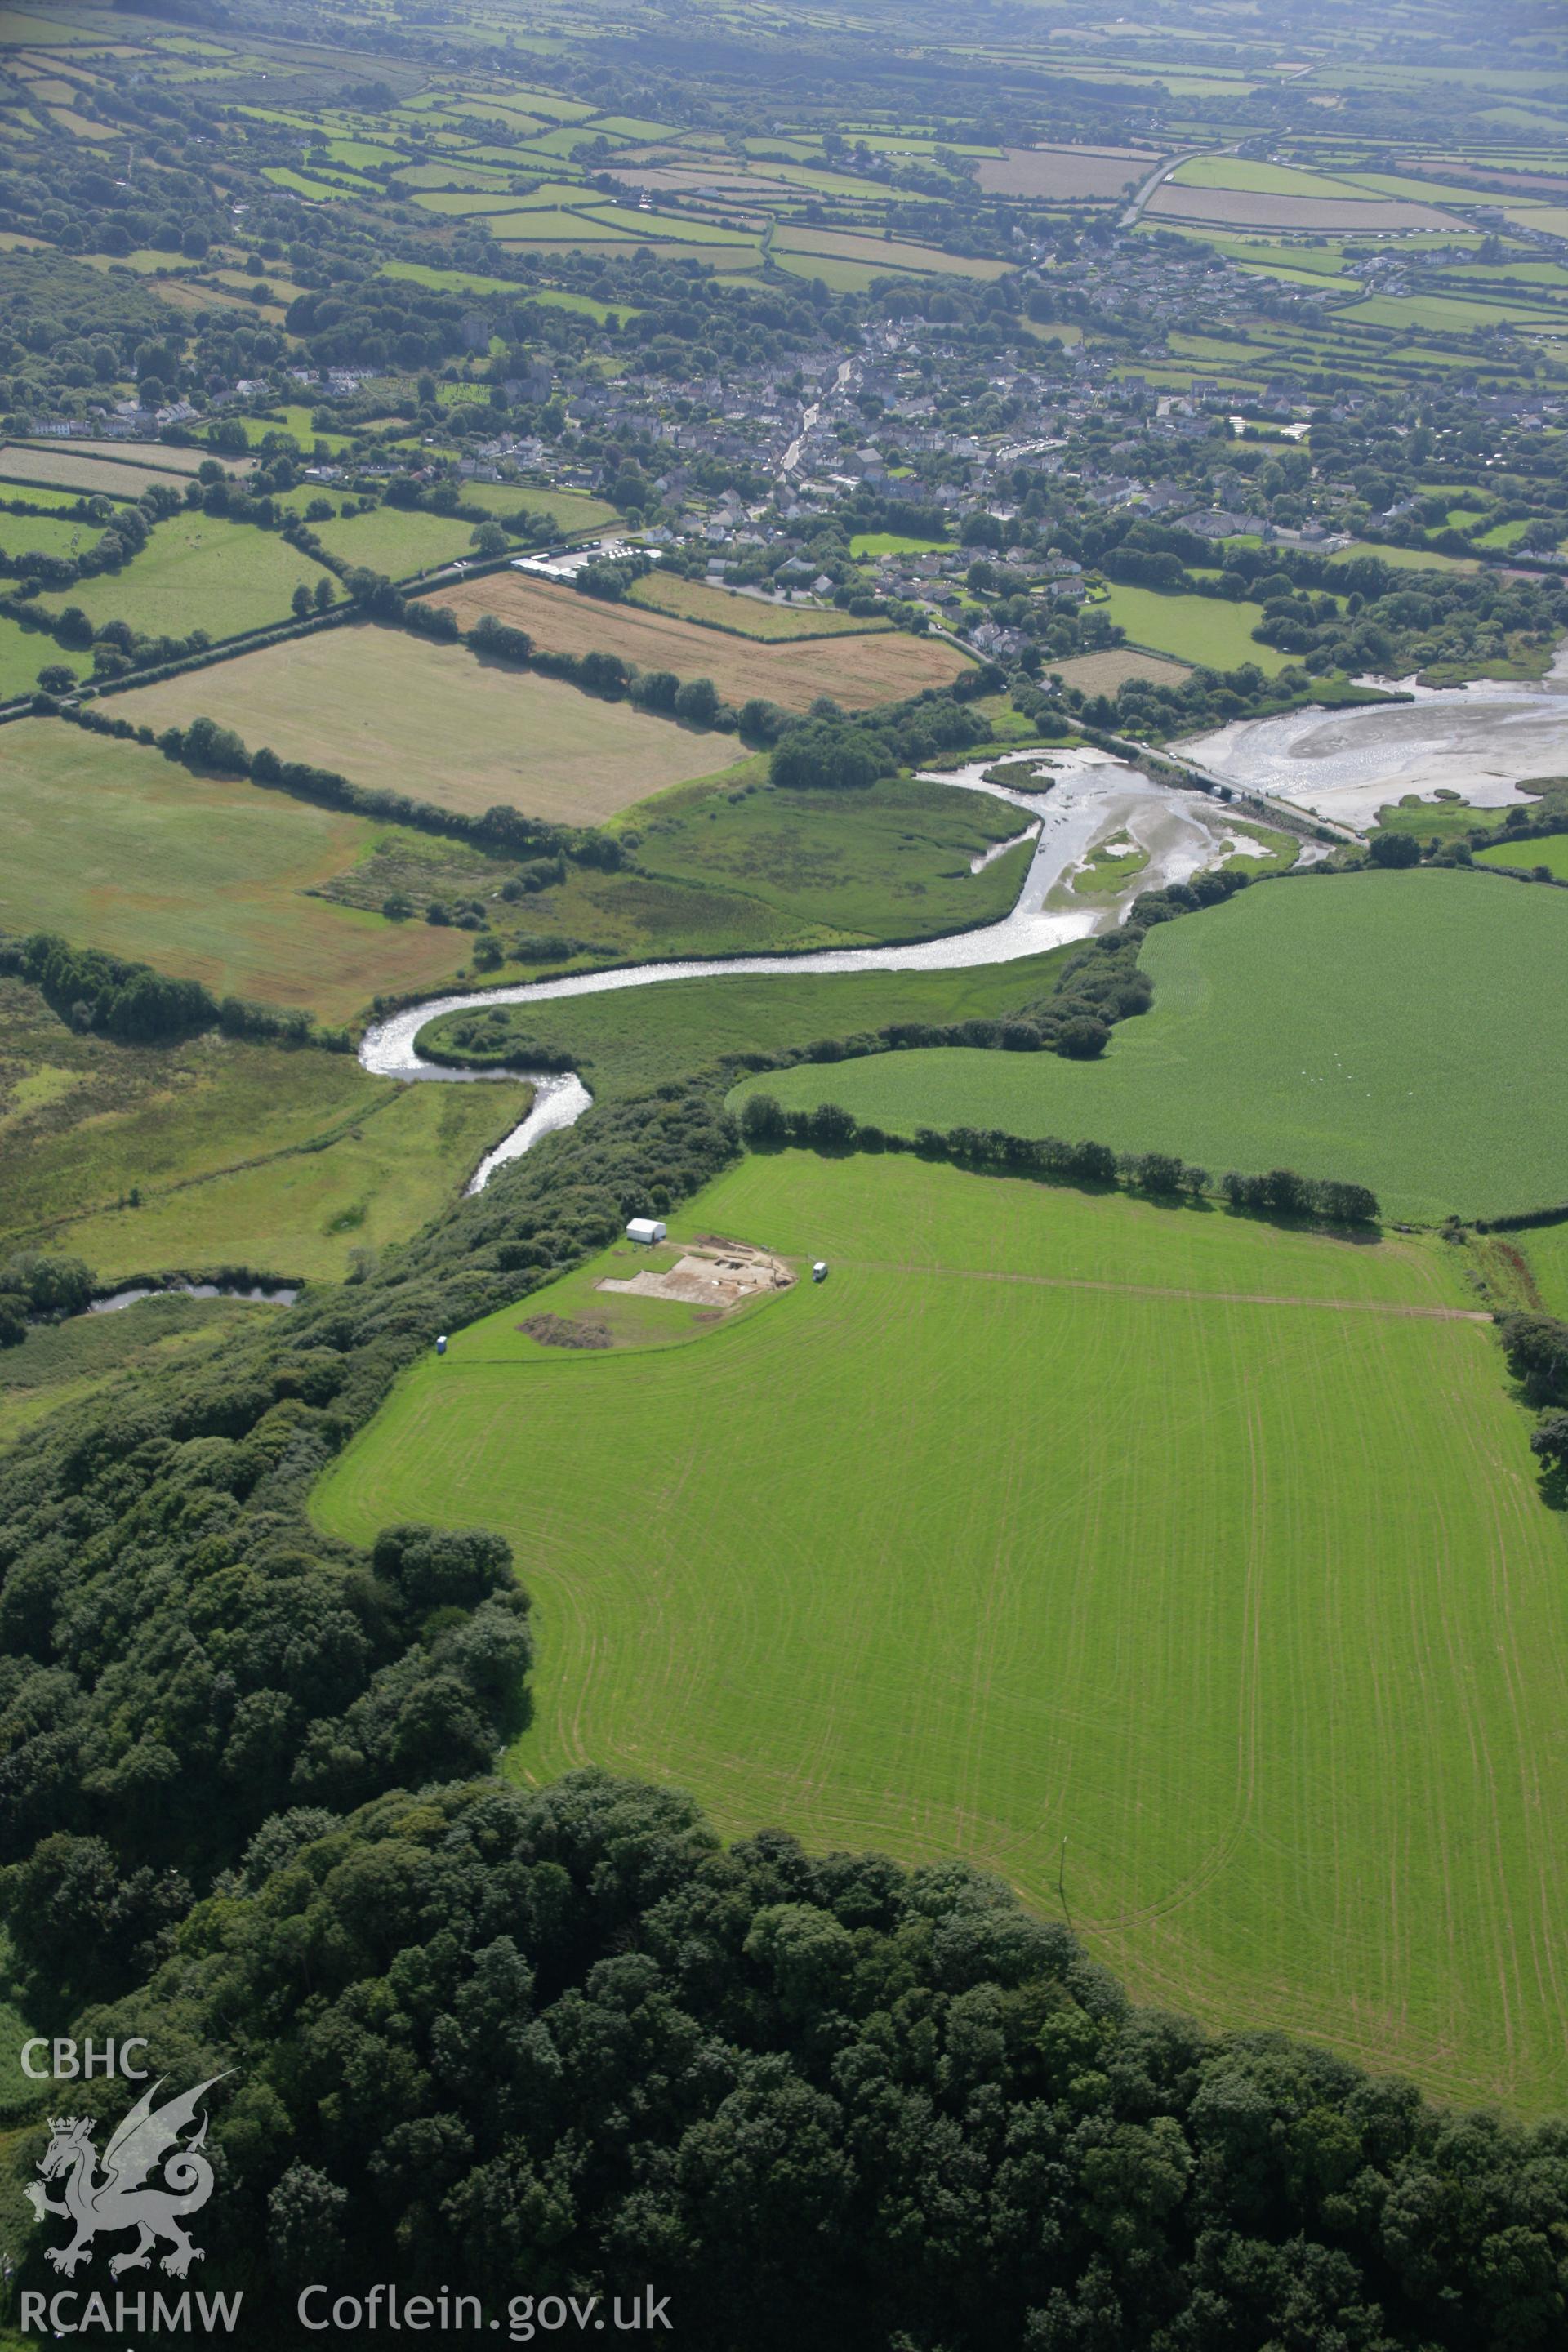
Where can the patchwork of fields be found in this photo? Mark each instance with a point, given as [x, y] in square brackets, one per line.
[390, 710]
[1052, 1517]
[196, 571]
[1193, 1573]
[857, 671]
[1398, 1030]
[115, 847]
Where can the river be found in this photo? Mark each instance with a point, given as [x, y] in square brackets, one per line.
[1092, 798]
[1479, 742]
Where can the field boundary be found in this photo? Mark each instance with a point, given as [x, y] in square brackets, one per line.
[1162, 1290]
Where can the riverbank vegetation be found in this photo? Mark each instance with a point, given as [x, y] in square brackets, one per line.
[216, 1150]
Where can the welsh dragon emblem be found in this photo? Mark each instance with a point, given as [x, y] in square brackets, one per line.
[116, 2199]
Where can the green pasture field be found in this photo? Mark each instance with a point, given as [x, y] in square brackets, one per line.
[403, 713]
[196, 571]
[838, 277]
[893, 542]
[295, 419]
[1448, 819]
[22, 654]
[116, 847]
[317, 191]
[892, 1561]
[1552, 853]
[1203, 629]
[749, 617]
[1446, 314]
[48, 534]
[1545, 1250]
[1404, 559]
[570, 511]
[1258, 179]
[524, 227]
[398, 540]
[1398, 1030]
[627, 1040]
[41, 495]
[243, 1153]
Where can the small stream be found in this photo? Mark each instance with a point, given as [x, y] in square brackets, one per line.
[1087, 796]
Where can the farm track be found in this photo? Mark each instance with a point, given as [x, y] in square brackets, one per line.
[1163, 1290]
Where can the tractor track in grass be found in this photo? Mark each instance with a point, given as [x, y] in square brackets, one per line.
[1400, 1312]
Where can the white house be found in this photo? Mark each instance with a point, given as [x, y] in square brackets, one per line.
[645, 1229]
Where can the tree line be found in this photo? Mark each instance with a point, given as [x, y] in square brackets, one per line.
[1280, 1192]
[136, 1006]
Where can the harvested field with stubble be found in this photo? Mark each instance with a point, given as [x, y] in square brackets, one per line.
[64, 469]
[160, 456]
[858, 671]
[1103, 673]
[1098, 173]
[1212, 1550]
[401, 713]
[880, 253]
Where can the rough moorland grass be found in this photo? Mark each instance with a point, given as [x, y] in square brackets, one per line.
[408, 1153]
[241, 1152]
[1405, 1031]
[892, 862]
[196, 572]
[118, 848]
[745, 616]
[401, 712]
[1049, 1516]
[62, 1363]
[1205, 629]
[857, 671]
[630, 1039]
[731, 867]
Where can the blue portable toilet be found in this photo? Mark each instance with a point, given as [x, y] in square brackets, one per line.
[441, 1345]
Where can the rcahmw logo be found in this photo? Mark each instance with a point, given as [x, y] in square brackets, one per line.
[152, 2178]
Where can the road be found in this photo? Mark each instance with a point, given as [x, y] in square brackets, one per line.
[1134, 211]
